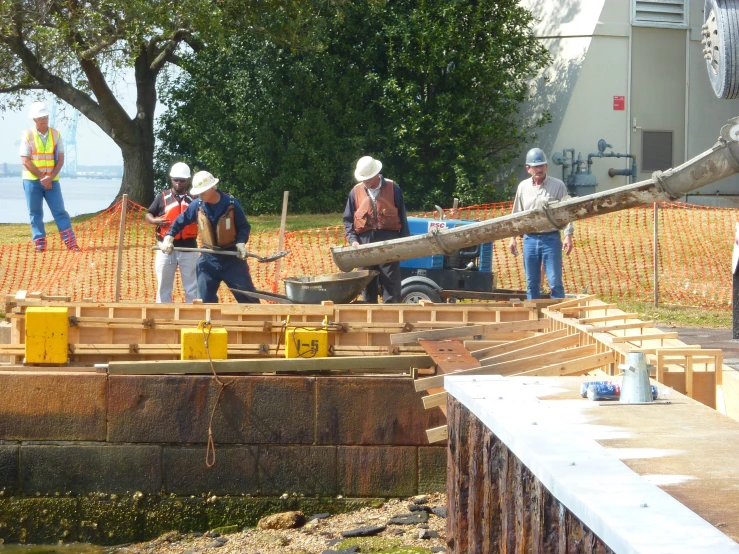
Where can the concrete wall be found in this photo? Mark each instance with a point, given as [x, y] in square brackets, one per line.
[85, 435]
[597, 55]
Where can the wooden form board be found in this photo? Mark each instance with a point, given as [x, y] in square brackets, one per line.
[138, 331]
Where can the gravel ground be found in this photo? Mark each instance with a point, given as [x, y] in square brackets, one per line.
[315, 536]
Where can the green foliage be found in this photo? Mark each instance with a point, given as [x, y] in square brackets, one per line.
[678, 316]
[432, 88]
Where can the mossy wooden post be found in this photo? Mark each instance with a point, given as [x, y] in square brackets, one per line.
[281, 243]
[121, 236]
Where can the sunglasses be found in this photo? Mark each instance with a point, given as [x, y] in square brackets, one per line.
[179, 180]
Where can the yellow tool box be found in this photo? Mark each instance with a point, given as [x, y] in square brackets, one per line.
[193, 343]
[47, 332]
[306, 341]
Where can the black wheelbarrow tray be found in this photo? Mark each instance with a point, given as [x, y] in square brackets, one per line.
[339, 288]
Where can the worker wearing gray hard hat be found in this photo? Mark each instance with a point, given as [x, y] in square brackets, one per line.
[375, 212]
[545, 247]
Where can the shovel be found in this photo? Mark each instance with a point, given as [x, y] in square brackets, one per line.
[262, 259]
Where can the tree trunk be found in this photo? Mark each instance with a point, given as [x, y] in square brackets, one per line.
[138, 174]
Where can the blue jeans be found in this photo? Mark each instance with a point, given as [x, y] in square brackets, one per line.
[35, 196]
[546, 249]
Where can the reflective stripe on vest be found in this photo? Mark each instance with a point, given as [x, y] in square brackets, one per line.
[42, 155]
[172, 210]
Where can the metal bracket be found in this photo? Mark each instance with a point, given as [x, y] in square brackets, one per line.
[437, 239]
[545, 210]
[659, 179]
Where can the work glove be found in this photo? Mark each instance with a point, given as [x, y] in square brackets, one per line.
[241, 249]
[167, 245]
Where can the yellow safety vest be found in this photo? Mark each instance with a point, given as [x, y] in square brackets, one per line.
[43, 154]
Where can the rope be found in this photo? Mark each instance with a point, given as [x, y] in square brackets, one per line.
[210, 451]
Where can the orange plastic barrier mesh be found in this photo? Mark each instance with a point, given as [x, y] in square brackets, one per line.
[613, 257]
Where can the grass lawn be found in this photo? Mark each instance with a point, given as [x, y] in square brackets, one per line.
[678, 316]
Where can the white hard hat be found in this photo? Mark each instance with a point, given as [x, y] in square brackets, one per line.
[201, 182]
[38, 109]
[180, 170]
[367, 167]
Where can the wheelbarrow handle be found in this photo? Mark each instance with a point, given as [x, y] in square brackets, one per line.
[261, 259]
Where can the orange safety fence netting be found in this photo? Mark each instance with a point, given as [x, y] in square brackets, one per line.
[612, 258]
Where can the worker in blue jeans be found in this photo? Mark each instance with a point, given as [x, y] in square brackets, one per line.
[543, 248]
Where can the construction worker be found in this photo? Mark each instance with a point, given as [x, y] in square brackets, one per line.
[543, 248]
[222, 225]
[375, 212]
[167, 206]
[42, 157]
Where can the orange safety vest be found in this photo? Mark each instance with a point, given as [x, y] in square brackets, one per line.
[380, 214]
[172, 210]
[43, 154]
[223, 233]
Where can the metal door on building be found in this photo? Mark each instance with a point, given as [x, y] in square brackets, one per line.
[658, 85]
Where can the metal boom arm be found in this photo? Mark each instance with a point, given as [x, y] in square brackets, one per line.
[721, 161]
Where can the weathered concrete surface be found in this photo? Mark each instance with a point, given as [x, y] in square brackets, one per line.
[84, 469]
[52, 406]
[309, 470]
[176, 409]
[8, 467]
[377, 471]
[235, 471]
[372, 411]
[431, 469]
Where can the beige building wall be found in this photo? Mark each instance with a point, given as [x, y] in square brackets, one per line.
[598, 54]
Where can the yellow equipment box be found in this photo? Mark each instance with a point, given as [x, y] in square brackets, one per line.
[306, 342]
[193, 344]
[47, 331]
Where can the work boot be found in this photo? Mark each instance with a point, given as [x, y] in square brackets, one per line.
[40, 244]
[70, 240]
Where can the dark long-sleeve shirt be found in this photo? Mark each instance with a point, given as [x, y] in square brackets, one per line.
[380, 235]
[214, 212]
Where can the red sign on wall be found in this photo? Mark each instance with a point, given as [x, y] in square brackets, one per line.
[619, 102]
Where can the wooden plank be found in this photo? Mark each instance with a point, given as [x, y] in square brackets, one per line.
[270, 365]
[517, 344]
[449, 355]
[573, 302]
[510, 367]
[471, 331]
[621, 327]
[653, 351]
[602, 318]
[433, 400]
[642, 338]
[593, 308]
[542, 347]
[580, 365]
[437, 434]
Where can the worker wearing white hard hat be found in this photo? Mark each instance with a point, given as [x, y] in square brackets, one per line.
[166, 208]
[542, 248]
[222, 225]
[42, 157]
[375, 211]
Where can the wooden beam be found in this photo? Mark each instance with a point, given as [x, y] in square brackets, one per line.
[580, 365]
[621, 327]
[541, 347]
[433, 400]
[516, 344]
[510, 367]
[437, 434]
[601, 318]
[472, 330]
[593, 308]
[573, 302]
[642, 338]
[271, 365]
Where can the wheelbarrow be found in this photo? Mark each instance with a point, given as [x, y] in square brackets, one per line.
[339, 288]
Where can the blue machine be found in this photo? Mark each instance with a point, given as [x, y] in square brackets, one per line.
[467, 270]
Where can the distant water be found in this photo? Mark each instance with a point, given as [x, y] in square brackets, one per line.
[81, 196]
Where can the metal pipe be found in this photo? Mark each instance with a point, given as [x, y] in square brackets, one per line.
[721, 161]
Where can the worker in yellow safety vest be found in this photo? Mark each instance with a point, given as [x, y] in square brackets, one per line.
[42, 157]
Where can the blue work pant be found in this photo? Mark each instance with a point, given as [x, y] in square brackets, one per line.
[35, 196]
[546, 249]
[213, 269]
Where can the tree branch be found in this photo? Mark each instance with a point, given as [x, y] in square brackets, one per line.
[16, 88]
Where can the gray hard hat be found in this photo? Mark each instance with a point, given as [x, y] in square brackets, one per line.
[536, 156]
